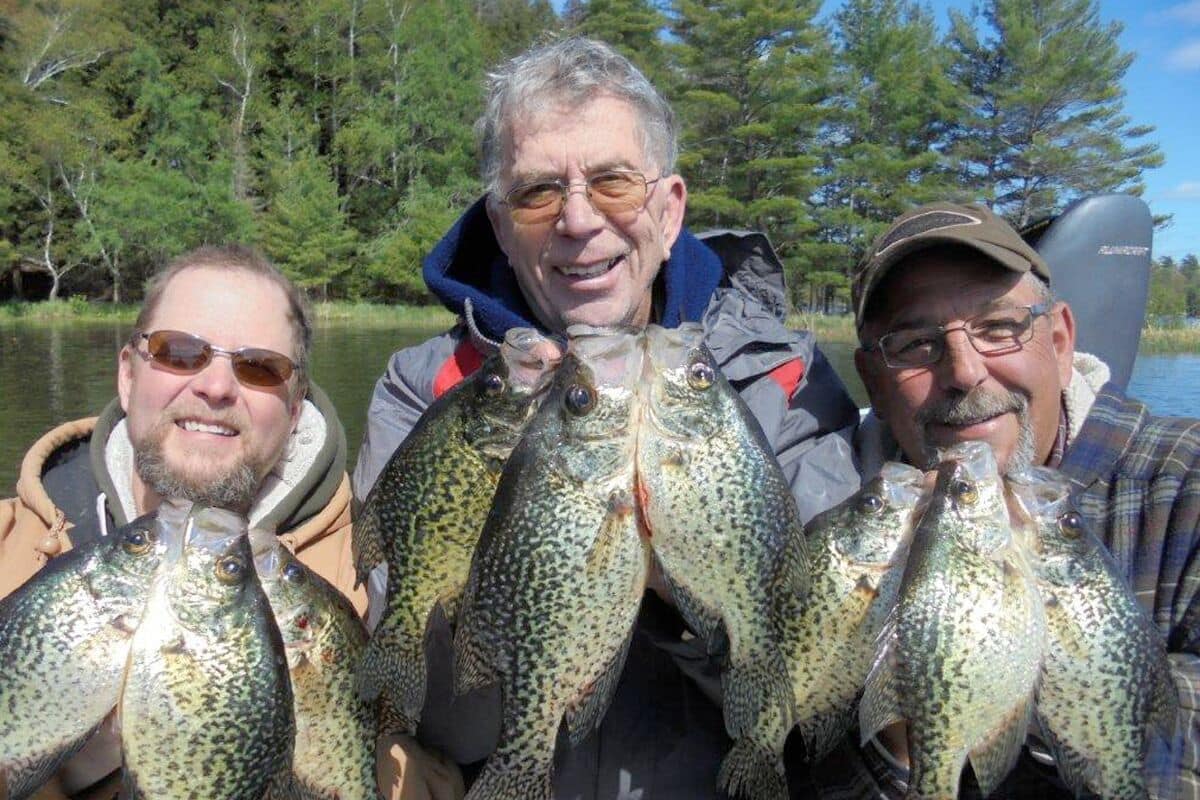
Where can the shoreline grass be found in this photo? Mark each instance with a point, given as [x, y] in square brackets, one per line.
[833, 328]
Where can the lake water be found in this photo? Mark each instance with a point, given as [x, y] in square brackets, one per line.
[51, 374]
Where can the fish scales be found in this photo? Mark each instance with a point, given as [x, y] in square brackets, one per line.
[962, 649]
[206, 709]
[720, 514]
[323, 639]
[857, 551]
[560, 570]
[1107, 702]
[65, 637]
[426, 510]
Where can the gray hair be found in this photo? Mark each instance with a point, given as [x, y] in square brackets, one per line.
[570, 72]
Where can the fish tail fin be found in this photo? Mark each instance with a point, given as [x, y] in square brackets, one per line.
[750, 770]
[520, 781]
[392, 664]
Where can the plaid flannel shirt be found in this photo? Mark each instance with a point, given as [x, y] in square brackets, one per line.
[1137, 482]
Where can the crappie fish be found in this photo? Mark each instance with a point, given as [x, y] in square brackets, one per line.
[1106, 689]
[560, 569]
[323, 639]
[858, 550]
[720, 513]
[206, 709]
[64, 640]
[425, 512]
[962, 649]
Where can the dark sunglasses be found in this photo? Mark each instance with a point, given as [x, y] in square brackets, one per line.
[183, 352]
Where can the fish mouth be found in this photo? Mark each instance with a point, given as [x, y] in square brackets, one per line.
[594, 269]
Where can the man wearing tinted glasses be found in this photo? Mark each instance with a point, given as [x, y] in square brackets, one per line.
[215, 405]
[961, 339]
[583, 223]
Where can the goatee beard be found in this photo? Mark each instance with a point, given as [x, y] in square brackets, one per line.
[979, 405]
[233, 490]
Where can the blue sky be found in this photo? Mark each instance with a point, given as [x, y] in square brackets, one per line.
[1162, 89]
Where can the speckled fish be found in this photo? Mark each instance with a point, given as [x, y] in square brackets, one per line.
[560, 570]
[858, 550]
[323, 639]
[64, 640]
[720, 512]
[425, 512]
[206, 709]
[962, 649]
[1106, 689]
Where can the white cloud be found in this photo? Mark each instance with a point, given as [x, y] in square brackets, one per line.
[1188, 190]
[1185, 57]
[1188, 11]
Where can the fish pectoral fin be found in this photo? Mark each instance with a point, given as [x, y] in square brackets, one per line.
[590, 705]
[866, 588]
[473, 668]
[616, 523]
[994, 757]
[880, 704]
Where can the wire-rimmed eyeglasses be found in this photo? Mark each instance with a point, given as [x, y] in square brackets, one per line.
[615, 193]
[995, 332]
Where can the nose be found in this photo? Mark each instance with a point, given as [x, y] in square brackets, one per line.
[579, 218]
[216, 383]
[961, 366]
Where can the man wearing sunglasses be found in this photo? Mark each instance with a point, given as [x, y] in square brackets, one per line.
[962, 339]
[214, 405]
[583, 223]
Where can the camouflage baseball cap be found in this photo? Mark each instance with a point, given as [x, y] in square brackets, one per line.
[971, 225]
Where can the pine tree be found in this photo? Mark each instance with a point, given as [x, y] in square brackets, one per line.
[886, 135]
[1047, 121]
[632, 27]
[754, 74]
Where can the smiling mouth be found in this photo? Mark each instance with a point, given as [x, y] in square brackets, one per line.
[589, 270]
[196, 426]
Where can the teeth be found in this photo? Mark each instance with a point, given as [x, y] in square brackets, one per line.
[588, 270]
[203, 427]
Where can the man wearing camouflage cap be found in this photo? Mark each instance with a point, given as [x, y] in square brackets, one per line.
[961, 338]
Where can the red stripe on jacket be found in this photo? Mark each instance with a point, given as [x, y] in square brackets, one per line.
[462, 362]
[788, 375]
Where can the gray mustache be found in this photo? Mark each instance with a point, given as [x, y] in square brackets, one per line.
[972, 407]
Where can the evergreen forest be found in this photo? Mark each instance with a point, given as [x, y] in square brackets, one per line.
[337, 135]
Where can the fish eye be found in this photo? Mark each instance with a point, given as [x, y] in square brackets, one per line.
[293, 573]
[964, 492]
[870, 504]
[579, 399]
[493, 384]
[1071, 525]
[137, 543]
[700, 375]
[230, 569]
